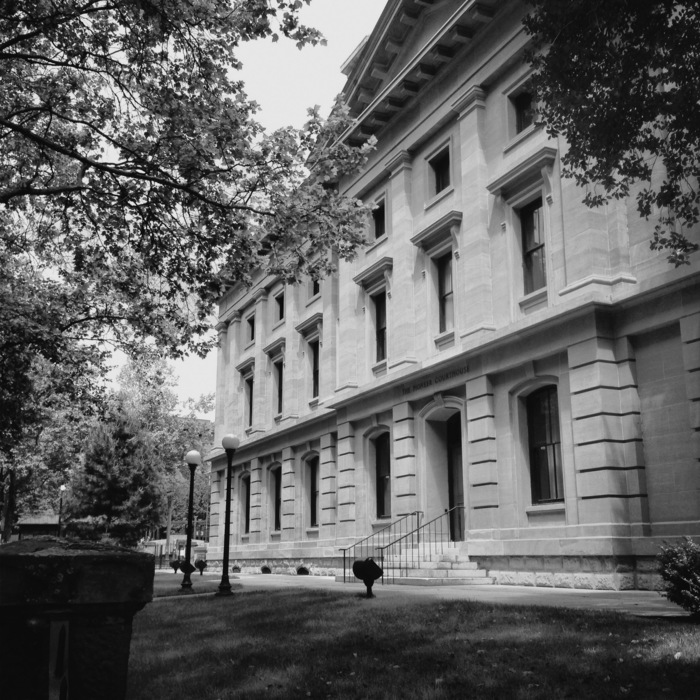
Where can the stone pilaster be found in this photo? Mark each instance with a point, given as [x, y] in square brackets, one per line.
[608, 449]
[233, 410]
[404, 477]
[402, 335]
[216, 506]
[690, 337]
[347, 506]
[482, 455]
[288, 494]
[472, 257]
[262, 410]
[223, 361]
[328, 478]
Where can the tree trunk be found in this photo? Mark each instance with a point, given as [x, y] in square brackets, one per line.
[8, 508]
[169, 525]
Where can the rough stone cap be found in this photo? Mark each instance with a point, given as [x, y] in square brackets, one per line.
[50, 571]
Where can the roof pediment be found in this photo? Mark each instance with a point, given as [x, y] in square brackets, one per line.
[413, 41]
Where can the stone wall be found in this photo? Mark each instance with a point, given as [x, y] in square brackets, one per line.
[593, 573]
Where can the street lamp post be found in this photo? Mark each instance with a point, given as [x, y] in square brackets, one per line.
[229, 443]
[61, 489]
[193, 458]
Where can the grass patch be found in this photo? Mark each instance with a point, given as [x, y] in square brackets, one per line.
[318, 644]
[166, 586]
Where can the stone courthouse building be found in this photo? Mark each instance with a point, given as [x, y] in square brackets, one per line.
[497, 350]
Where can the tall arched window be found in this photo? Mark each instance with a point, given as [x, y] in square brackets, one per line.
[382, 470]
[544, 444]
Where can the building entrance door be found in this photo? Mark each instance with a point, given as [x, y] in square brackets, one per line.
[444, 479]
[455, 478]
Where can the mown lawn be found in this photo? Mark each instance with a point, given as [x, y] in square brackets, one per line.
[317, 644]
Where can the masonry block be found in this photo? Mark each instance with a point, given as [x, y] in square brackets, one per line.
[690, 328]
[480, 407]
[607, 427]
[479, 386]
[609, 454]
[484, 495]
[591, 350]
[482, 429]
[599, 374]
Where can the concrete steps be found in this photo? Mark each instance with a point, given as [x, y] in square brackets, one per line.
[449, 568]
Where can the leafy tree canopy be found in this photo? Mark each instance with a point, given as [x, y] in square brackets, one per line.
[620, 80]
[135, 181]
[132, 462]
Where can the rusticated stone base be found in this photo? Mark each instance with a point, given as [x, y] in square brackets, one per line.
[321, 566]
[593, 573]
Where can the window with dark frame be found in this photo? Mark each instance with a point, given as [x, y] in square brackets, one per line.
[532, 232]
[525, 114]
[379, 301]
[382, 466]
[279, 383]
[440, 171]
[250, 328]
[379, 219]
[315, 288]
[246, 504]
[279, 307]
[276, 477]
[313, 474]
[544, 443]
[314, 348]
[249, 395]
[445, 292]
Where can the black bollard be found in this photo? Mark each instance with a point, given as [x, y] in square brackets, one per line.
[368, 571]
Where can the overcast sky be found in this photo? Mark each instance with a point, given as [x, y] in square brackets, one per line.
[285, 82]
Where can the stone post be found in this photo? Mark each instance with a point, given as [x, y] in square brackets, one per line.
[66, 610]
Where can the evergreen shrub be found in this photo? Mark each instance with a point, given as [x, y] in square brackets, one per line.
[679, 566]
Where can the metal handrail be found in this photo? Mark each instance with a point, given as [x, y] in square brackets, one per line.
[420, 544]
[364, 548]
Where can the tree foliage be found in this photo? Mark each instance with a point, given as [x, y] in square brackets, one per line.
[136, 183]
[132, 467]
[620, 80]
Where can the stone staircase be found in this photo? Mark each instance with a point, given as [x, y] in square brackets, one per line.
[451, 568]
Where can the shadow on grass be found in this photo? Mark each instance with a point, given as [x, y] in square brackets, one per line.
[317, 644]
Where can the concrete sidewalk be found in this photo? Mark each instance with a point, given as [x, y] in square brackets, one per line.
[640, 603]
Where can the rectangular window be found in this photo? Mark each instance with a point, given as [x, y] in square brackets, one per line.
[445, 293]
[314, 288]
[379, 219]
[277, 498]
[379, 301]
[279, 307]
[532, 231]
[382, 466]
[440, 171]
[312, 466]
[250, 328]
[524, 106]
[246, 504]
[279, 382]
[314, 349]
[544, 442]
[249, 399]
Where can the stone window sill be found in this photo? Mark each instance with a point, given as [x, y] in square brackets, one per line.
[533, 299]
